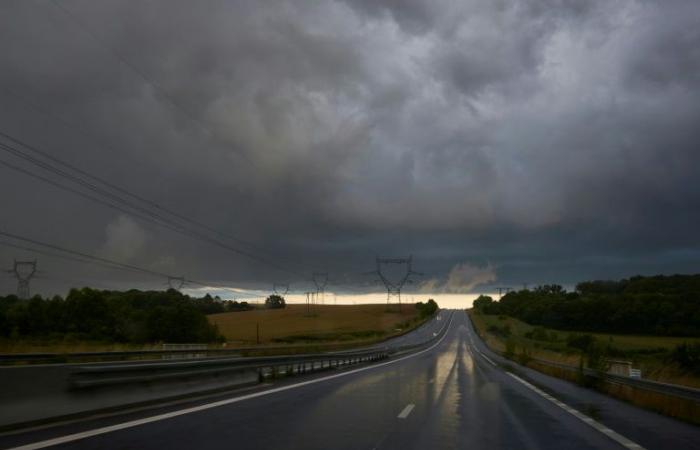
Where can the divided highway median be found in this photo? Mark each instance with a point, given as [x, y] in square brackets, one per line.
[48, 393]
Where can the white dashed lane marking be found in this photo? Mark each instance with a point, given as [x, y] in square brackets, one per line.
[406, 411]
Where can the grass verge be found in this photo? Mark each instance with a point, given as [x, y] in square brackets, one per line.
[491, 330]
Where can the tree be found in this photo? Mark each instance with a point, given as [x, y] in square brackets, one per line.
[275, 302]
[427, 309]
[482, 303]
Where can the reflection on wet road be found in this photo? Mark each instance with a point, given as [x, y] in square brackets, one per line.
[449, 396]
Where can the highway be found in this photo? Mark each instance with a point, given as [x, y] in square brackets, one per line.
[455, 394]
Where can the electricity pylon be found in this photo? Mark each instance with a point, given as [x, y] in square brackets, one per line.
[309, 301]
[23, 276]
[280, 289]
[176, 283]
[320, 279]
[501, 289]
[393, 288]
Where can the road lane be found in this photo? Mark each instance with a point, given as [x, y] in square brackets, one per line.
[647, 428]
[460, 401]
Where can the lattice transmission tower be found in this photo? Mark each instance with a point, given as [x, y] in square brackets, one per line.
[320, 280]
[24, 271]
[176, 283]
[280, 289]
[393, 287]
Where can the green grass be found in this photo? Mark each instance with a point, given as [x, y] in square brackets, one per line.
[650, 353]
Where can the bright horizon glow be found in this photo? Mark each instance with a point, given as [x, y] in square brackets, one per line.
[456, 301]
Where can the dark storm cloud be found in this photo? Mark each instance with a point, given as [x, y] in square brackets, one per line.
[544, 140]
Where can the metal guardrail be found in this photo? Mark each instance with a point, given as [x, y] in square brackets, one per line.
[92, 376]
[663, 388]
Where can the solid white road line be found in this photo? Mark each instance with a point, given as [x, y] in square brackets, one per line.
[486, 358]
[617, 437]
[406, 411]
[182, 412]
[620, 439]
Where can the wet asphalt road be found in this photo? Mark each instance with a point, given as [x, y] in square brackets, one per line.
[449, 396]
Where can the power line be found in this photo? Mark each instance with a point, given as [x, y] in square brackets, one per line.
[85, 195]
[122, 190]
[83, 255]
[64, 257]
[91, 259]
[139, 211]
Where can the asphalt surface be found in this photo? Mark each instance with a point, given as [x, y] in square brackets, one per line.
[452, 395]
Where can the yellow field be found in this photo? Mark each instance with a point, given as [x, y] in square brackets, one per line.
[327, 323]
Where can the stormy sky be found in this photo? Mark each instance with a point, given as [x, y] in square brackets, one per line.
[499, 142]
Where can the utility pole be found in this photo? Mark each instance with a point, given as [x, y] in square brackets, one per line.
[393, 288]
[23, 271]
[320, 279]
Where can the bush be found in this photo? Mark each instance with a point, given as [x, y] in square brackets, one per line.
[524, 356]
[510, 349]
[687, 356]
[501, 331]
[232, 306]
[482, 303]
[595, 358]
[427, 309]
[275, 302]
[541, 334]
[580, 342]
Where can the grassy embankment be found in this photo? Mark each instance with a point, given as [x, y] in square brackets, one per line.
[328, 326]
[649, 353]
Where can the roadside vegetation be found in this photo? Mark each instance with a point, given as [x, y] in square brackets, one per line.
[104, 318]
[96, 320]
[658, 306]
[632, 320]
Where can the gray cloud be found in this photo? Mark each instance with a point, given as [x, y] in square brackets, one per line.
[556, 139]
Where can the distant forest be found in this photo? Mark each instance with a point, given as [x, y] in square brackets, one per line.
[126, 317]
[658, 305]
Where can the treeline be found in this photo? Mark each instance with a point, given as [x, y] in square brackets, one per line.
[122, 317]
[427, 309]
[658, 305]
[215, 305]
